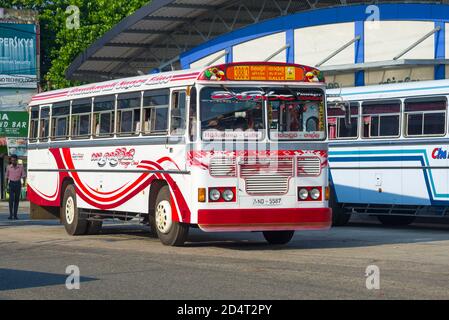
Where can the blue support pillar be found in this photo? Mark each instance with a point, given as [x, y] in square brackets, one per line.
[290, 40]
[360, 52]
[229, 56]
[440, 50]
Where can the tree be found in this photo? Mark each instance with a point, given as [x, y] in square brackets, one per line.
[60, 42]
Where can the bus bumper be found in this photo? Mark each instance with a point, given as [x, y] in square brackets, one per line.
[215, 220]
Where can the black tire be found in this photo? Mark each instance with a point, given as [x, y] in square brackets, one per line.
[339, 217]
[170, 234]
[94, 227]
[278, 237]
[74, 224]
[396, 221]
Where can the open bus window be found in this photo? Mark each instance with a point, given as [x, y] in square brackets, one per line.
[381, 119]
[178, 113]
[232, 113]
[128, 106]
[104, 115]
[81, 118]
[34, 124]
[155, 111]
[44, 123]
[425, 116]
[59, 120]
[296, 114]
[337, 126]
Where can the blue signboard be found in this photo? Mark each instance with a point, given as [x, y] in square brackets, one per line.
[18, 56]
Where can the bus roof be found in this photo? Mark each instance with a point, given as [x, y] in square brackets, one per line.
[390, 91]
[242, 71]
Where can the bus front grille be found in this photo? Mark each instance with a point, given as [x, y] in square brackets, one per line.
[267, 176]
[266, 185]
[309, 166]
[222, 167]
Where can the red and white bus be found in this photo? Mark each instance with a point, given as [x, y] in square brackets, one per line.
[234, 147]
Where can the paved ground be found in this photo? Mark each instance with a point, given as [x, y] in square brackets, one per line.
[125, 262]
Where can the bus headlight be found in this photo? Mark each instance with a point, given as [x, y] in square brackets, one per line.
[315, 194]
[303, 194]
[228, 195]
[214, 194]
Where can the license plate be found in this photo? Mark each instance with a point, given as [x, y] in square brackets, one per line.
[267, 202]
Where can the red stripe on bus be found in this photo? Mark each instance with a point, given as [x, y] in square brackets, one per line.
[194, 74]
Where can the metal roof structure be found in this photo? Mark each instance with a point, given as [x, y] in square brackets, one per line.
[155, 35]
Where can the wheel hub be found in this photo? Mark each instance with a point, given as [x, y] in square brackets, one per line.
[163, 216]
[70, 210]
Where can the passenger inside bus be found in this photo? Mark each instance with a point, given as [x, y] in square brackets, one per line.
[240, 124]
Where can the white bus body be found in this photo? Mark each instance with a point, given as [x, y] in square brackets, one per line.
[75, 140]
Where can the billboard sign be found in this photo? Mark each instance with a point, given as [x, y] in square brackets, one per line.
[13, 124]
[17, 146]
[18, 56]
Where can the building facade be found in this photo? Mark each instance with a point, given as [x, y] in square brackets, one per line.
[354, 45]
[18, 82]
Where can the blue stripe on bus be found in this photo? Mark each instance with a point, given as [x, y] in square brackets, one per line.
[421, 157]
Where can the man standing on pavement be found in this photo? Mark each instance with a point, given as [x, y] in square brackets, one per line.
[14, 174]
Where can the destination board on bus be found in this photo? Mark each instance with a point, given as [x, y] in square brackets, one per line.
[264, 72]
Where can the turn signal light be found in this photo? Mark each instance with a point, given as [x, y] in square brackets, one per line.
[201, 194]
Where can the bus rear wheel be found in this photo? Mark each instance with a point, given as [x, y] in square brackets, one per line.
[70, 214]
[339, 217]
[169, 232]
[278, 237]
[395, 221]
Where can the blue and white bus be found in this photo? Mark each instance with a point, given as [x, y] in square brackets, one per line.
[389, 151]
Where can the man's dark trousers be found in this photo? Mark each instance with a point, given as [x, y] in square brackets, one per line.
[15, 188]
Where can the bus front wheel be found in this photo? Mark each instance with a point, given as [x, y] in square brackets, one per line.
[70, 214]
[169, 232]
[278, 237]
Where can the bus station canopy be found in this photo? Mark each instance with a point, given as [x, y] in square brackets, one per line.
[156, 34]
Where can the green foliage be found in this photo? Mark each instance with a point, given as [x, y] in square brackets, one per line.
[61, 45]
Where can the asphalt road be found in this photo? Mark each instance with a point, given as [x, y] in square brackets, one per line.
[124, 262]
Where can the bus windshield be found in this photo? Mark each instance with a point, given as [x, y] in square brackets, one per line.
[239, 113]
[296, 114]
[231, 113]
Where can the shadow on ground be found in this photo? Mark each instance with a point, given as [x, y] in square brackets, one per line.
[12, 279]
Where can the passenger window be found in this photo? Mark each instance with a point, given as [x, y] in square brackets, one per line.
[81, 118]
[381, 119]
[178, 113]
[425, 116]
[193, 122]
[44, 123]
[338, 128]
[60, 120]
[34, 124]
[128, 109]
[155, 111]
[104, 116]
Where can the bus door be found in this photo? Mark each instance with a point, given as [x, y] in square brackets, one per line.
[176, 145]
